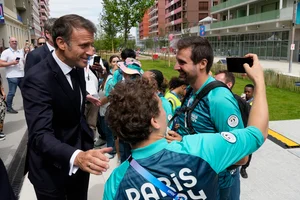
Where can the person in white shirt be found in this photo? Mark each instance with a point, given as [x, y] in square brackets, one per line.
[14, 72]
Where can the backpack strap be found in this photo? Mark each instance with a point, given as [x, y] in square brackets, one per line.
[210, 86]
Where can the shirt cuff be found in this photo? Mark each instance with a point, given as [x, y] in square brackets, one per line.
[73, 168]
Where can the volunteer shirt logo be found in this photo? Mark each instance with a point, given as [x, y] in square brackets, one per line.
[233, 121]
[229, 137]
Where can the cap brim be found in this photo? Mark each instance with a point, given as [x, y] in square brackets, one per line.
[127, 70]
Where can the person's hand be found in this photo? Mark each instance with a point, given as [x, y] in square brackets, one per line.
[93, 161]
[172, 135]
[255, 72]
[15, 62]
[93, 100]
[96, 66]
[4, 96]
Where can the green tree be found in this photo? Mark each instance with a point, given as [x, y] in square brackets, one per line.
[109, 22]
[125, 14]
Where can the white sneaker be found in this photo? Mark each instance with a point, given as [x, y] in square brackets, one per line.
[2, 136]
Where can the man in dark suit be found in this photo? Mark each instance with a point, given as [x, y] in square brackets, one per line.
[37, 55]
[59, 141]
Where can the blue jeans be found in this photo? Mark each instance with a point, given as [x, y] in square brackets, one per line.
[12, 87]
[232, 192]
[235, 188]
[109, 136]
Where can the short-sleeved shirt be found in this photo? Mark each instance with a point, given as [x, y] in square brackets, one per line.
[218, 111]
[206, 155]
[13, 71]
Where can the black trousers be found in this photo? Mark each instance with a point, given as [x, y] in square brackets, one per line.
[76, 188]
[6, 191]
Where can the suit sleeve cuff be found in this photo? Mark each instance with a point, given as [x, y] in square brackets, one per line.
[73, 168]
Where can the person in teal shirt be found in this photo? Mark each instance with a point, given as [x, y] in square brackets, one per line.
[187, 169]
[216, 112]
[161, 84]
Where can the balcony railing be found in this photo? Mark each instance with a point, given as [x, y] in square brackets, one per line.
[271, 15]
[228, 4]
[173, 12]
[177, 21]
[171, 3]
[20, 5]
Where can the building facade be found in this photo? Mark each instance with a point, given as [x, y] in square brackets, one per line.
[181, 15]
[157, 19]
[43, 12]
[263, 27]
[16, 22]
[35, 29]
[144, 27]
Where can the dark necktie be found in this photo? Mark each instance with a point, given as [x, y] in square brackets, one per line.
[75, 83]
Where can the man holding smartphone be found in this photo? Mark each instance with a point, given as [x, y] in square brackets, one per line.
[216, 112]
[14, 72]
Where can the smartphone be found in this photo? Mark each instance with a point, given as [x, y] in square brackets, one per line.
[96, 60]
[235, 64]
[17, 58]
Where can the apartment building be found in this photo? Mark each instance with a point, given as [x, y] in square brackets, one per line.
[157, 19]
[35, 28]
[16, 22]
[144, 26]
[43, 12]
[181, 15]
[258, 26]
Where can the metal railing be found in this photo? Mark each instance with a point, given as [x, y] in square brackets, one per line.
[265, 16]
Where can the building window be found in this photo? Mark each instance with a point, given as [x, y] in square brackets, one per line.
[203, 6]
[202, 15]
[215, 3]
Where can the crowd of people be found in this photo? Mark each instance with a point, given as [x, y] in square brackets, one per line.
[75, 102]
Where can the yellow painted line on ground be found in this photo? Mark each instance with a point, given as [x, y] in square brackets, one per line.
[285, 140]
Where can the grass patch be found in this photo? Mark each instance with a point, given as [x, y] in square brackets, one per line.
[283, 103]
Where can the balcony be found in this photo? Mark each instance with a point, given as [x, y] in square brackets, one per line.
[153, 10]
[153, 18]
[266, 16]
[177, 21]
[171, 3]
[43, 18]
[173, 12]
[42, 3]
[229, 4]
[20, 5]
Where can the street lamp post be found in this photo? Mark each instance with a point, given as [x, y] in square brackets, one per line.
[292, 37]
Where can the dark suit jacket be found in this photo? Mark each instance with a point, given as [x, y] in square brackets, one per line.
[56, 126]
[36, 56]
[5, 187]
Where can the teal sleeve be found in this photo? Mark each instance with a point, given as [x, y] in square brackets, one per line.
[108, 87]
[112, 184]
[167, 107]
[224, 110]
[219, 152]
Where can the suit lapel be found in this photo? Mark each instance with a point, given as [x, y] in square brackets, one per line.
[62, 81]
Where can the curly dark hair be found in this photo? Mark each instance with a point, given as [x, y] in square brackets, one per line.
[132, 105]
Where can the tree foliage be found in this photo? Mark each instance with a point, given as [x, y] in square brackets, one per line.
[124, 14]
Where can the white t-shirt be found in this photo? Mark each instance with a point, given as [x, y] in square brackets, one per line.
[91, 81]
[103, 108]
[13, 71]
